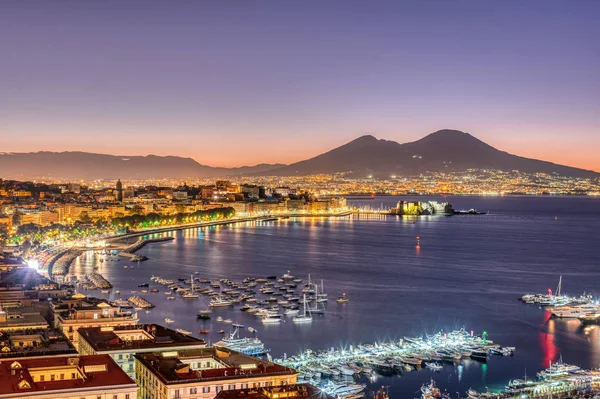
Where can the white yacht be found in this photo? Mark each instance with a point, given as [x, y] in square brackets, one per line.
[573, 311]
[271, 319]
[291, 312]
[304, 318]
[219, 302]
[191, 294]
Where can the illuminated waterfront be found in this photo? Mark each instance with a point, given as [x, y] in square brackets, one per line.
[469, 271]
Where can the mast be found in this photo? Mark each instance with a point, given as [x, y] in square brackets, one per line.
[559, 286]
[304, 301]
[322, 286]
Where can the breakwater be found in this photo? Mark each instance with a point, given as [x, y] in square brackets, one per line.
[60, 265]
[99, 281]
[129, 252]
[140, 302]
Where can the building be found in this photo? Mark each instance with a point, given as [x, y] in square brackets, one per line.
[119, 187]
[34, 344]
[71, 315]
[21, 318]
[122, 343]
[306, 391]
[83, 377]
[204, 373]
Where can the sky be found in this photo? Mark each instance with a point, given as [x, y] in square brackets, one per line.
[233, 83]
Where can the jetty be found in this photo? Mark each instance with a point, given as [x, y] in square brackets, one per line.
[129, 252]
[99, 281]
[140, 302]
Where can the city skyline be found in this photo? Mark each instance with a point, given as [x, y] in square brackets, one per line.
[231, 85]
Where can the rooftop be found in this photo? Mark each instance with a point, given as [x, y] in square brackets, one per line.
[178, 368]
[144, 336]
[306, 391]
[23, 376]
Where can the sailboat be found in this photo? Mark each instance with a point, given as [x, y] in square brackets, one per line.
[317, 309]
[304, 318]
[322, 296]
[191, 294]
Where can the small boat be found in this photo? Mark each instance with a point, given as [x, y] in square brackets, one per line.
[228, 321]
[219, 318]
[203, 331]
[169, 321]
[251, 329]
[118, 292]
[221, 331]
[172, 298]
[342, 299]
[184, 332]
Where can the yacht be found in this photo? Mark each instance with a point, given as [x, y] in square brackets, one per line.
[219, 302]
[434, 366]
[271, 319]
[287, 276]
[291, 312]
[342, 299]
[589, 317]
[169, 321]
[573, 311]
[557, 370]
[304, 318]
[247, 346]
[191, 294]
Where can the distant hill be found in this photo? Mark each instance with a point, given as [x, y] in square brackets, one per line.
[442, 151]
[89, 166]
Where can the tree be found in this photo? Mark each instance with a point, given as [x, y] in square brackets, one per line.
[85, 218]
[16, 219]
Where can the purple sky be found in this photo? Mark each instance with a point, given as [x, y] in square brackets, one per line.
[240, 82]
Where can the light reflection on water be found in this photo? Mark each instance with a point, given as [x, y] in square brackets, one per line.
[468, 272]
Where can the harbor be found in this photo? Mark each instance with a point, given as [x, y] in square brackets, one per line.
[425, 300]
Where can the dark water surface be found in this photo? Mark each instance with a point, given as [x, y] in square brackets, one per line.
[469, 271]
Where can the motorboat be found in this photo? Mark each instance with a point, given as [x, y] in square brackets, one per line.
[271, 319]
[342, 299]
[184, 332]
[219, 302]
[169, 321]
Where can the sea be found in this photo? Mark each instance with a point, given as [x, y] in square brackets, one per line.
[468, 271]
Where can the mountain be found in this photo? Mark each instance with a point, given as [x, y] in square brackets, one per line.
[89, 166]
[442, 151]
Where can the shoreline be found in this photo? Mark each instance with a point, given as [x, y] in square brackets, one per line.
[166, 229]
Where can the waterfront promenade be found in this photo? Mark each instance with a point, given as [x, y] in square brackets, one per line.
[261, 218]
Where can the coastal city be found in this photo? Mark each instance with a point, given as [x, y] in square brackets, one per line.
[299, 200]
[92, 331]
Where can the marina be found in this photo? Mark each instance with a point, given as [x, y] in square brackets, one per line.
[379, 309]
[392, 357]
